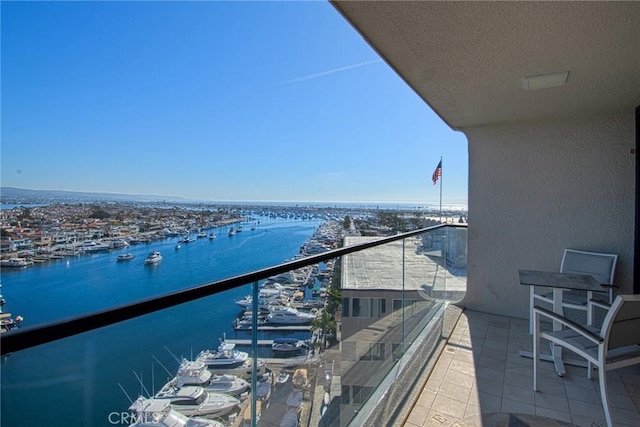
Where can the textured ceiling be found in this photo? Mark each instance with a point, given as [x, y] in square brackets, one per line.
[467, 59]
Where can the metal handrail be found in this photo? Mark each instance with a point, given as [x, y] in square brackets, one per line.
[21, 339]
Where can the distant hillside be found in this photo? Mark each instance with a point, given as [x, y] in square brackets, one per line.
[12, 195]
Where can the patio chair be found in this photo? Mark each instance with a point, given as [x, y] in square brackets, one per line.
[600, 265]
[615, 345]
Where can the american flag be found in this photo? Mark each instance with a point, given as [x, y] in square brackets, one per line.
[437, 173]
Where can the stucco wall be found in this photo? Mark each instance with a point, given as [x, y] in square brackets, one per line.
[538, 188]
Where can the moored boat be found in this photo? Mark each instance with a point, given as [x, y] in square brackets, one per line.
[287, 345]
[159, 413]
[290, 419]
[191, 373]
[92, 247]
[196, 401]
[245, 321]
[282, 377]
[289, 316]
[263, 391]
[227, 384]
[226, 356]
[8, 323]
[195, 373]
[14, 263]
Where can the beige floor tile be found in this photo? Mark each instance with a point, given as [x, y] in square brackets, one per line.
[482, 364]
[439, 419]
[449, 406]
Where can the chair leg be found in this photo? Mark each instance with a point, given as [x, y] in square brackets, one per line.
[536, 348]
[603, 394]
[589, 370]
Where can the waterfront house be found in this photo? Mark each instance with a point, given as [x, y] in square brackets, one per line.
[7, 245]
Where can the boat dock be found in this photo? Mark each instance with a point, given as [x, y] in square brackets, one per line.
[260, 342]
[248, 342]
[278, 328]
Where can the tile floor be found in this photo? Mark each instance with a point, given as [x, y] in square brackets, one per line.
[480, 374]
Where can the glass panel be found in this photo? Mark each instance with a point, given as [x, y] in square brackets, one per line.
[323, 364]
[94, 378]
[414, 278]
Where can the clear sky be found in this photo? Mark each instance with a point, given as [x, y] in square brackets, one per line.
[261, 101]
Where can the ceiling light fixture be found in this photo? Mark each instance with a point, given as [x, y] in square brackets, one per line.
[544, 81]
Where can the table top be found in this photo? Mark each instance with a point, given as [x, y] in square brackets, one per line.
[582, 282]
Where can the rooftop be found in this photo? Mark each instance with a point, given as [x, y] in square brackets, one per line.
[390, 267]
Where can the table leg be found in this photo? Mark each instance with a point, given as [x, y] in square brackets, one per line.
[556, 350]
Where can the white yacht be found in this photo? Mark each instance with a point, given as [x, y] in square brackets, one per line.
[227, 384]
[289, 316]
[245, 322]
[225, 357]
[195, 373]
[282, 378]
[196, 401]
[14, 263]
[159, 413]
[90, 246]
[125, 257]
[287, 345]
[212, 236]
[154, 257]
[192, 373]
[266, 296]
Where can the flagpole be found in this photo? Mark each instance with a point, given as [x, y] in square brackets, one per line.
[441, 190]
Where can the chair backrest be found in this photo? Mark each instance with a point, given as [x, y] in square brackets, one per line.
[621, 326]
[601, 266]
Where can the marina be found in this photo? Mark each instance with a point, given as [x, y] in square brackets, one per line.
[91, 281]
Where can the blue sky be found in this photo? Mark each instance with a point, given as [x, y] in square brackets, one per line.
[263, 101]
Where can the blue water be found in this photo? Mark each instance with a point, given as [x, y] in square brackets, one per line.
[79, 381]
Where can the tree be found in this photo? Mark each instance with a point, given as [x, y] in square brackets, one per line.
[326, 324]
[99, 213]
[346, 224]
[393, 220]
[334, 300]
[336, 277]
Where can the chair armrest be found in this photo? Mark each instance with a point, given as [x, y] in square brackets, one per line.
[591, 336]
[599, 304]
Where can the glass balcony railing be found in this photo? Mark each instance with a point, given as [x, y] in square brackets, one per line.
[334, 339]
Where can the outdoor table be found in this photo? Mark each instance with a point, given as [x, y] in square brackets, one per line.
[558, 282]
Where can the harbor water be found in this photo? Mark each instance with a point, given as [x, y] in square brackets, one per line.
[89, 379]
